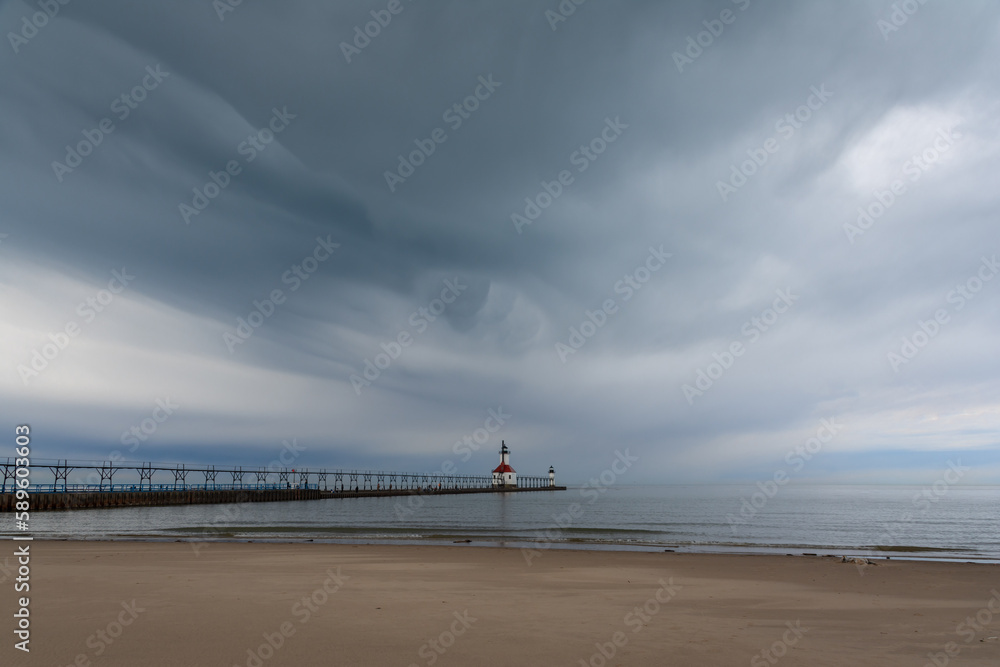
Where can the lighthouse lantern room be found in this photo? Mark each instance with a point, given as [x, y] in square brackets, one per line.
[503, 474]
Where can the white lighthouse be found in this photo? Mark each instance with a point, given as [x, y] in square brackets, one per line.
[552, 476]
[503, 474]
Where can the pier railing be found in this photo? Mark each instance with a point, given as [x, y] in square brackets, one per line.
[101, 478]
[122, 488]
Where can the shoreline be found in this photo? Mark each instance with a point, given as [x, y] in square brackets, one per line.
[913, 554]
[221, 603]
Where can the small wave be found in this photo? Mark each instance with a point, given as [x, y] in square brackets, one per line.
[916, 549]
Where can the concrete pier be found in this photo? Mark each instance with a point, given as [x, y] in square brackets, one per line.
[375, 493]
[111, 499]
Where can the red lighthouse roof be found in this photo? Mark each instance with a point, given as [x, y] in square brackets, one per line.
[504, 467]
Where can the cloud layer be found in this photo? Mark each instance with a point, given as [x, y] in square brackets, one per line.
[693, 231]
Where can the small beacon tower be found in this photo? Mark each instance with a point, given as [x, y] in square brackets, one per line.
[503, 474]
[552, 476]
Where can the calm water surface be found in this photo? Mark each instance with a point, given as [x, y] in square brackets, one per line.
[899, 521]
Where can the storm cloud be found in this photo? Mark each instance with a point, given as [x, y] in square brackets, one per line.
[694, 230]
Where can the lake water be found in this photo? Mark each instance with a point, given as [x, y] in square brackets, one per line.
[961, 522]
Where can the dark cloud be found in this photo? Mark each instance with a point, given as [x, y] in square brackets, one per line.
[533, 102]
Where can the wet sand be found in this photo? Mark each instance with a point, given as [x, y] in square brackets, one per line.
[141, 604]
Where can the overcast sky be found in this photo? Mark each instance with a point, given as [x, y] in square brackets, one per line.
[688, 230]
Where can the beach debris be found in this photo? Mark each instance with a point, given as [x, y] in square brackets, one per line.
[669, 551]
[858, 561]
[462, 541]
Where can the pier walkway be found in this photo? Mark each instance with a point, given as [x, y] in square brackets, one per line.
[238, 484]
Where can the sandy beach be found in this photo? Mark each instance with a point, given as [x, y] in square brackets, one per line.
[144, 604]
